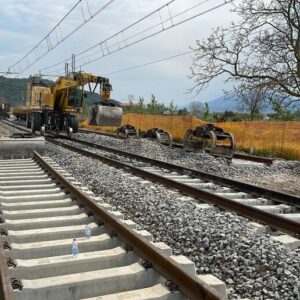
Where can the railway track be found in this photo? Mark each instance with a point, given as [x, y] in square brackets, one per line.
[242, 156]
[278, 210]
[43, 208]
[269, 207]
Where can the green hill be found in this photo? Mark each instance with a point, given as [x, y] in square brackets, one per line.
[13, 90]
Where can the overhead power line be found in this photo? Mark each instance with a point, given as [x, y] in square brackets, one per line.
[138, 32]
[56, 36]
[149, 63]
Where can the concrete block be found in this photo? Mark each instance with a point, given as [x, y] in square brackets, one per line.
[62, 247]
[130, 224]
[202, 206]
[28, 224]
[27, 187]
[215, 283]
[276, 209]
[287, 240]
[257, 227]
[185, 263]
[67, 264]
[43, 212]
[20, 171]
[46, 197]
[55, 233]
[25, 182]
[88, 284]
[155, 292]
[145, 234]
[237, 195]
[186, 198]
[295, 217]
[105, 206]
[21, 178]
[163, 248]
[117, 214]
[36, 204]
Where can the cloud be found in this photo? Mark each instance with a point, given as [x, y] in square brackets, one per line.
[25, 22]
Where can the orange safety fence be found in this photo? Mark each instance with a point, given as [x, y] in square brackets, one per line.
[279, 138]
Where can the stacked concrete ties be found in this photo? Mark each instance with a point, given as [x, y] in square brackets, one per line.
[40, 220]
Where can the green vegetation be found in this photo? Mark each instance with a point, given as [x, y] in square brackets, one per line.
[153, 107]
[13, 90]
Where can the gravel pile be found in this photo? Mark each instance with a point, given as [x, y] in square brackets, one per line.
[282, 175]
[219, 242]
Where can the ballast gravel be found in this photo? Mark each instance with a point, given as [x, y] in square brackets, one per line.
[282, 175]
[218, 242]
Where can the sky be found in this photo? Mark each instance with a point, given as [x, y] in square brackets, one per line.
[23, 23]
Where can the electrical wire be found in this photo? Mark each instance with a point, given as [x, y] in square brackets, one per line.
[46, 41]
[149, 63]
[106, 49]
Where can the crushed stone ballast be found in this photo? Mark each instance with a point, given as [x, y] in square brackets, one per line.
[44, 208]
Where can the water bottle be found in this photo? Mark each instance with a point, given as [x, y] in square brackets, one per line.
[75, 249]
[87, 231]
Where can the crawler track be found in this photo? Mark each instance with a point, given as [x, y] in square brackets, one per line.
[43, 208]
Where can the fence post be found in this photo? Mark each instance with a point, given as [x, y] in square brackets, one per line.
[244, 134]
[282, 142]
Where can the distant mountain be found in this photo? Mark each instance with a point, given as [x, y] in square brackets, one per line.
[223, 103]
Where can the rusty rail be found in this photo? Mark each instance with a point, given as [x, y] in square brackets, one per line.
[190, 286]
[245, 187]
[273, 220]
[6, 290]
[266, 160]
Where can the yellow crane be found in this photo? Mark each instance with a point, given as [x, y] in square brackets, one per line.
[56, 106]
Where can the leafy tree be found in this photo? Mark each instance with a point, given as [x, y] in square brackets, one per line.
[261, 50]
[172, 109]
[141, 102]
[155, 108]
[280, 113]
[183, 111]
[206, 112]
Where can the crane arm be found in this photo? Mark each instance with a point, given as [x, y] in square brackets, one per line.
[78, 79]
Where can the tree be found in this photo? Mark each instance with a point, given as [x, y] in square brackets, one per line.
[141, 102]
[155, 108]
[280, 113]
[196, 108]
[251, 101]
[183, 111]
[172, 109]
[262, 50]
[206, 112]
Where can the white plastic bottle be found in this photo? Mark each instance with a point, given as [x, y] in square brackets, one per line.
[87, 231]
[75, 249]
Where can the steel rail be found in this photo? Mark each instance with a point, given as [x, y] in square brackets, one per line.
[190, 285]
[245, 187]
[6, 290]
[265, 160]
[275, 221]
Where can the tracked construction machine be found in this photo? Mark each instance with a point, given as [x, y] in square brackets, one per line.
[211, 139]
[55, 107]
